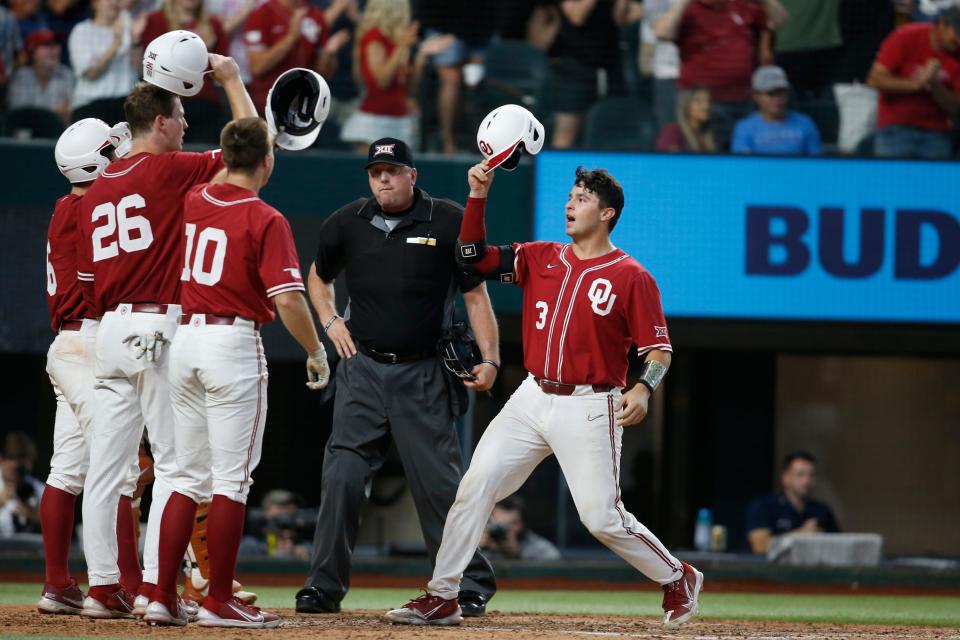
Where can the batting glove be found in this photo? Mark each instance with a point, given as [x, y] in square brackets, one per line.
[137, 342]
[147, 344]
[155, 344]
[318, 369]
[121, 138]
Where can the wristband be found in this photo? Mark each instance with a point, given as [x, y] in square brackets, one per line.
[652, 374]
[492, 363]
[330, 322]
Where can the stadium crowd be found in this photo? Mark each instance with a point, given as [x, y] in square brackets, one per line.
[746, 76]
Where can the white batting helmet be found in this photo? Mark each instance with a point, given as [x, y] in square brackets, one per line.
[297, 106]
[176, 62]
[506, 133]
[83, 150]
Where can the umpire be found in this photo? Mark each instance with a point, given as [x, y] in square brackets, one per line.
[398, 251]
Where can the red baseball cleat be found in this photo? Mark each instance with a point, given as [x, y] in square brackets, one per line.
[66, 600]
[680, 597]
[427, 609]
[102, 602]
[234, 613]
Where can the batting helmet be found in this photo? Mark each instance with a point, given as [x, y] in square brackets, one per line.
[506, 133]
[83, 150]
[297, 106]
[459, 352]
[176, 61]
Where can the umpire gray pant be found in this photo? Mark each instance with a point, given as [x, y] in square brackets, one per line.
[374, 401]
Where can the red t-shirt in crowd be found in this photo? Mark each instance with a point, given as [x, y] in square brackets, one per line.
[391, 101]
[157, 25]
[132, 223]
[905, 53]
[64, 295]
[267, 25]
[671, 138]
[580, 317]
[240, 253]
[718, 47]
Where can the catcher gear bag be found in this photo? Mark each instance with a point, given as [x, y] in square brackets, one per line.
[506, 133]
[83, 150]
[459, 351]
[176, 61]
[297, 106]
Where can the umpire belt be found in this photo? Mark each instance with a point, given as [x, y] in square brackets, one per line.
[386, 357]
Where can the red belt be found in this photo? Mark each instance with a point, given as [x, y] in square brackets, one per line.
[560, 389]
[71, 325]
[145, 307]
[210, 318]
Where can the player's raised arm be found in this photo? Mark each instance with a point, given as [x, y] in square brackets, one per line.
[227, 73]
[473, 253]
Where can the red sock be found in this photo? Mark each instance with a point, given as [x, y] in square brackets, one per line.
[224, 528]
[128, 556]
[56, 522]
[175, 530]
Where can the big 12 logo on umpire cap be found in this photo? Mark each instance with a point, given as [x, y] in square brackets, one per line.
[384, 149]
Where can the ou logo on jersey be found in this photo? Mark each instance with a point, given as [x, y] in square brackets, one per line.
[600, 294]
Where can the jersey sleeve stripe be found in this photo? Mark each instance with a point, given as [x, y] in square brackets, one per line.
[286, 285]
[295, 286]
[663, 346]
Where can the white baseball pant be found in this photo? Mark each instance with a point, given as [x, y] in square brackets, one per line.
[218, 386]
[581, 431]
[130, 392]
[70, 367]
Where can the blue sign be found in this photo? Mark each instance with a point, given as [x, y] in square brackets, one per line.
[780, 238]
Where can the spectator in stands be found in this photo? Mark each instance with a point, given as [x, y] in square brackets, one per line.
[720, 42]
[691, 132]
[44, 83]
[773, 128]
[863, 26]
[384, 38]
[665, 65]
[808, 45]
[279, 528]
[471, 24]
[20, 492]
[232, 14]
[10, 43]
[536, 21]
[103, 62]
[206, 108]
[791, 510]
[30, 16]
[283, 34]
[925, 10]
[586, 60]
[507, 536]
[917, 73]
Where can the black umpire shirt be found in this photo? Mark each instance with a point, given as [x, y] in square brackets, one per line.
[402, 282]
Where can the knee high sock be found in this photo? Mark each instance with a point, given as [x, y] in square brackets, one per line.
[56, 523]
[175, 529]
[224, 528]
[128, 556]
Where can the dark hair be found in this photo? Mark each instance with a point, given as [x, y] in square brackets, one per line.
[605, 186]
[144, 104]
[798, 455]
[244, 142]
[512, 503]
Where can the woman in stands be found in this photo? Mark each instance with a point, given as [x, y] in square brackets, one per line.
[691, 132]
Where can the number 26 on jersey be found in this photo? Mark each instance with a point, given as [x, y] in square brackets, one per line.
[122, 230]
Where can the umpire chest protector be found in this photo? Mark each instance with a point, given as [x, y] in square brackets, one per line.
[401, 281]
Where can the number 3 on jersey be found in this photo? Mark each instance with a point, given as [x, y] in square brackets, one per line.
[542, 317]
[210, 235]
[117, 217]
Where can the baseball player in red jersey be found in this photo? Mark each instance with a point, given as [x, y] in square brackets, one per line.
[584, 305]
[132, 221]
[82, 152]
[240, 261]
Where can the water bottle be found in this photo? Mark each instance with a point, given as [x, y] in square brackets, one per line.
[701, 533]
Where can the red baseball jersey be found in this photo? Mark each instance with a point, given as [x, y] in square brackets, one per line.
[64, 295]
[581, 316]
[132, 220]
[239, 253]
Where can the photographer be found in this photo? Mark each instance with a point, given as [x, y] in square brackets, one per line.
[19, 491]
[280, 527]
[506, 535]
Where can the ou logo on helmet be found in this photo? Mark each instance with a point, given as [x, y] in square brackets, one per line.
[600, 294]
[485, 147]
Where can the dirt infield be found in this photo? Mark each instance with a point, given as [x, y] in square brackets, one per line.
[23, 620]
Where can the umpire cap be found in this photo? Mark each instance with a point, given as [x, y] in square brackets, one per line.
[390, 151]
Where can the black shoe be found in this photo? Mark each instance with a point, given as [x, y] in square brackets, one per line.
[312, 600]
[472, 604]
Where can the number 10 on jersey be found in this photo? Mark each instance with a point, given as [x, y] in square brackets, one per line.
[193, 262]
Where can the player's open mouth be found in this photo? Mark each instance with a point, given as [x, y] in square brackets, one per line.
[570, 218]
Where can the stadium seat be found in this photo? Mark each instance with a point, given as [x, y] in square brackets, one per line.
[41, 123]
[825, 115]
[619, 123]
[515, 72]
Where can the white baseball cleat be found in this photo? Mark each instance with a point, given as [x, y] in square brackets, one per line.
[159, 613]
[235, 613]
[140, 604]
